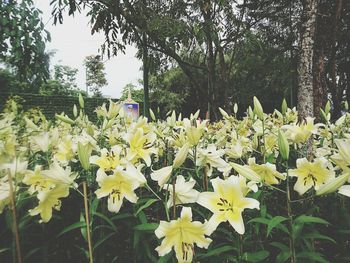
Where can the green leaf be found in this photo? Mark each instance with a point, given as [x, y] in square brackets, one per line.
[310, 219]
[72, 227]
[280, 246]
[312, 256]
[147, 204]
[217, 251]
[317, 235]
[107, 220]
[256, 256]
[259, 220]
[283, 257]
[99, 242]
[146, 227]
[165, 258]
[274, 222]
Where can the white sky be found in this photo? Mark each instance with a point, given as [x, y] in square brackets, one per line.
[73, 41]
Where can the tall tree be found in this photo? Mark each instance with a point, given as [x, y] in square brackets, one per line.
[22, 42]
[305, 66]
[95, 75]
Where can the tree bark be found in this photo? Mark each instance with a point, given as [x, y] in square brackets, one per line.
[335, 91]
[319, 73]
[305, 76]
[145, 61]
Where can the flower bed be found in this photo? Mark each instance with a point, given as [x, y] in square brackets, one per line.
[264, 188]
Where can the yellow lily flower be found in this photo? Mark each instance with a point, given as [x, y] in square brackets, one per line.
[16, 167]
[227, 203]
[267, 172]
[184, 192]
[40, 142]
[163, 175]
[65, 152]
[211, 157]
[141, 146]
[49, 200]
[4, 193]
[108, 160]
[116, 187]
[182, 234]
[37, 181]
[311, 174]
[299, 133]
[342, 159]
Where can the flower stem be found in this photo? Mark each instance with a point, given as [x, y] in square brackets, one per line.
[205, 179]
[14, 215]
[240, 240]
[264, 140]
[174, 199]
[153, 192]
[87, 222]
[289, 210]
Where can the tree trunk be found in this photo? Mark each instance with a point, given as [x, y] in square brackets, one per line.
[335, 91]
[212, 100]
[145, 60]
[305, 77]
[320, 85]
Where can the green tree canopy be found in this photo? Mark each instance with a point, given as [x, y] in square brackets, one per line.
[22, 42]
[95, 75]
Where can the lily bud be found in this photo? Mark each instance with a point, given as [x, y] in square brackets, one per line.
[323, 115]
[283, 145]
[84, 155]
[246, 172]
[109, 124]
[284, 106]
[223, 113]
[64, 119]
[258, 110]
[90, 130]
[194, 135]
[235, 108]
[75, 111]
[195, 116]
[151, 113]
[346, 105]
[333, 185]
[181, 156]
[250, 113]
[327, 108]
[81, 101]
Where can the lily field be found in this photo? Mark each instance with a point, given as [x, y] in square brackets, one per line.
[262, 188]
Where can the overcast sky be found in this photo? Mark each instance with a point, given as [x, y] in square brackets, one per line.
[73, 41]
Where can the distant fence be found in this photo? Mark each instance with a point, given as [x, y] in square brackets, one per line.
[50, 105]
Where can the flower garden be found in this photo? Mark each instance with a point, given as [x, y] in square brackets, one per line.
[262, 188]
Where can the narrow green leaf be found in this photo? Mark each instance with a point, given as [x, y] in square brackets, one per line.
[99, 242]
[312, 256]
[72, 227]
[165, 258]
[147, 204]
[274, 222]
[217, 251]
[283, 257]
[146, 227]
[316, 235]
[256, 256]
[280, 246]
[310, 219]
[106, 219]
[259, 220]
